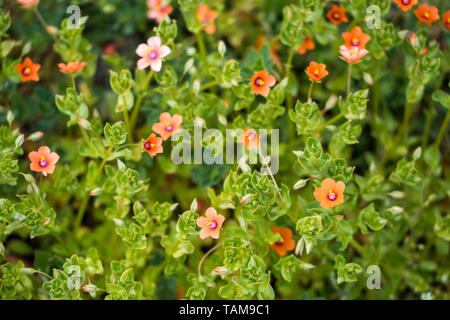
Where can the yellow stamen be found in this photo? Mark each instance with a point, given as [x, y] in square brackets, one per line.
[426, 14]
[355, 40]
[42, 158]
[152, 145]
[167, 123]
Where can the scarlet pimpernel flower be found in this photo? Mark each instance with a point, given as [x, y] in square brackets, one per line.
[152, 54]
[72, 67]
[152, 145]
[352, 55]
[406, 4]
[426, 14]
[261, 82]
[308, 44]
[211, 224]
[356, 38]
[330, 194]
[250, 139]
[28, 3]
[286, 243]
[43, 160]
[316, 71]
[157, 11]
[337, 15]
[206, 16]
[446, 20]
[28, 70]
[168, 125]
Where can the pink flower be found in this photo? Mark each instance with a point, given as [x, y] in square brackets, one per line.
[168, 125]
[157, 11]
[28, 3]
[151, 54]
[353, 54]
[211, 224]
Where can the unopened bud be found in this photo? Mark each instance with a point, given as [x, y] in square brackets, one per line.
[47, 221]
[246, 199]
[52, 30]
[84, 123]
[300, 184]
[396, 209]
[414, 40]
[19, 140]
[95, 192]
[397, 194]
[35, 136]
[221, 270]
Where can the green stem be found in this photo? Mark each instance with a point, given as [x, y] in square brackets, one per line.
[443, 128]
[209, 85]
[202, 48]
[206, 255]
[310, 91]
[329, 122]
[349, 78]
[82, 209]
[358, 247]
[140, 99]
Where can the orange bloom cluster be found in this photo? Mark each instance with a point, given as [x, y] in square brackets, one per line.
[168, 126]
[286, 243]
[211, 224]
[72, 67]
[206, 17]
[355, 44]
[427, 14]
[157, 11]
[28, 70]
[406, 4]
[446, 20]
[308, 44]
[316, 71]
[261, 83]
[43, 160]
[330, 194]
[337, 15]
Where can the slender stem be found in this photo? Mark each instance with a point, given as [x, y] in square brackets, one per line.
[206, 255]
[43, 273]
[74, 84]
[140, 99]
[202, 48]
[329, 122]
[42, 21]
[349, 79]
[358, 247]
[82, 209]
[443, 128]
[310, 91]
[209, 85]
[404, 126]
[127, 124]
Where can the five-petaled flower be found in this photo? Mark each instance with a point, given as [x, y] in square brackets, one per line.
[72, 67]
[211, 224]
[406, 4]
[446, 20]
[356, 38]
[157, 11]
[337, 15]
[286, 243]
[426, 14]
[330, 194]
[151, 54]
[153, 145]
[168, 125]
[206, 16]
[261, 82]
[352, 55]
[28, 3]
[308, 44]
[28, 70]
[250, 139]
[43, 160]
[316, 71]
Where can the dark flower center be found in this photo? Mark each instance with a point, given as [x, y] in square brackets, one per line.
[147, 146]
[336, 15]
[43, 163]
[205, 20]
[259, 82]
[212, 225]
[26, 71]
[169, 127]
[406, 2]
[332, 195]
[153, 55]
[355, 42]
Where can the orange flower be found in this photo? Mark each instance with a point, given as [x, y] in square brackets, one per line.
[286, 243]
[356, 38]
[250, 139]
[28, 3]
[153, 145]
[261, 82]
[211, 224]
[406, 4]
[43, 160]
[206, 17]
[157, 11]
[308, 44]
[330, 194]
[426, 14]
[316, 71]
[72, 67]
[446, 20]
[168, 125]
[337, 15]
[28, 70]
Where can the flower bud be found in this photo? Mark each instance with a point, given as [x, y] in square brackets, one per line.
[246, 198]
[35, 136]
[300, 184]
[95, 192]
[84, 123]
[414, 40]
